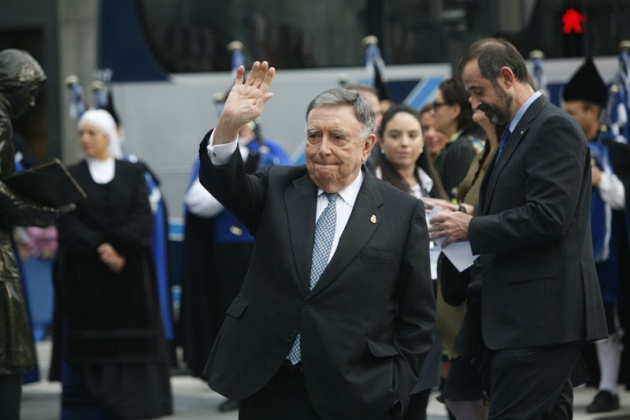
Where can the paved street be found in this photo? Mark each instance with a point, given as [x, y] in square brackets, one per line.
[194, 400]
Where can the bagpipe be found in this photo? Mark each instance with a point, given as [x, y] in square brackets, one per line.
[78, 103]
[375, 67]
[101, 90]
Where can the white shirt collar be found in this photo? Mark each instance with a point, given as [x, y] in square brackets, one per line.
[351, 192]
[102, 171]
[521, 111]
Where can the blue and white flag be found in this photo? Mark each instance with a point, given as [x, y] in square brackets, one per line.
[100, 96]
[100, 86]
[78, 104]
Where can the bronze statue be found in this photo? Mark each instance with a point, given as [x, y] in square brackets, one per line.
[21, 79]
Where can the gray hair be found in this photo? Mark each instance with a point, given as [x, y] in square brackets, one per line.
[340, 96]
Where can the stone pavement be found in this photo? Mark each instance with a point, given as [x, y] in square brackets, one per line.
[194, 400]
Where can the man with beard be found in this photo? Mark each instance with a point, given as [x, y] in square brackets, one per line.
[540, 298]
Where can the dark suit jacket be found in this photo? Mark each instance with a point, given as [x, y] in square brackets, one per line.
[366, 326]
[533, 231]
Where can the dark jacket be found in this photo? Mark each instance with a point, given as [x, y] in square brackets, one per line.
[367, 325]
[539, 285]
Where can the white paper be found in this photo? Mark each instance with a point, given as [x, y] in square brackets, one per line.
[459, 253]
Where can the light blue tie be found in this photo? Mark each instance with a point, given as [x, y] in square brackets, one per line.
[324, 234]
[504, 138]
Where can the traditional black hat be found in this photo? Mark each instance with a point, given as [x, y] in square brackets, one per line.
[586, 85]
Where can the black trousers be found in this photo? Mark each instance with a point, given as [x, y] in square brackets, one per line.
[533, 383]
[10, 396]
[418, 403]
[284, 397]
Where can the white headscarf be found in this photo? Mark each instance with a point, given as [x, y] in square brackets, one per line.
[103, 171]
[103, 120]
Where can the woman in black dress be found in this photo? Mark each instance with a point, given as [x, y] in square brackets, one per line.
[113, 354]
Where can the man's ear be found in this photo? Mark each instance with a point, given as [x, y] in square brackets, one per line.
[368, 144]
[506, 77]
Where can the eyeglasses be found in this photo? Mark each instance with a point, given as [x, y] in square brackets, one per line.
[437, 104]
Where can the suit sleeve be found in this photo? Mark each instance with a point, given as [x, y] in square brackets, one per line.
[416, 305]
[554, 174]
[240, 193]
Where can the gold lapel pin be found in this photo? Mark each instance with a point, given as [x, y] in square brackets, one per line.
[236, 231]
[373, 218]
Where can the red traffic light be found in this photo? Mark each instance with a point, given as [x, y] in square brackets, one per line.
[572, 21]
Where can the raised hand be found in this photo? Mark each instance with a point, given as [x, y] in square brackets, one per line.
[245, 101]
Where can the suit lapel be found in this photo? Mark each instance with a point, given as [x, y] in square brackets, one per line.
[364, 220]
[512, 144]
[301, 205]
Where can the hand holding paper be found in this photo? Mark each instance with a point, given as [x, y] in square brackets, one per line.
[449, 230]
[450, 225]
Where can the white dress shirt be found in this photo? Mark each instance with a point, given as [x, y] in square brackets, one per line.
[200, 202]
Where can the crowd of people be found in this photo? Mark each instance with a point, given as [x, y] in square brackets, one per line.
[308, 290]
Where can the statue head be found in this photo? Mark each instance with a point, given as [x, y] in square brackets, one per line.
[21, 79]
